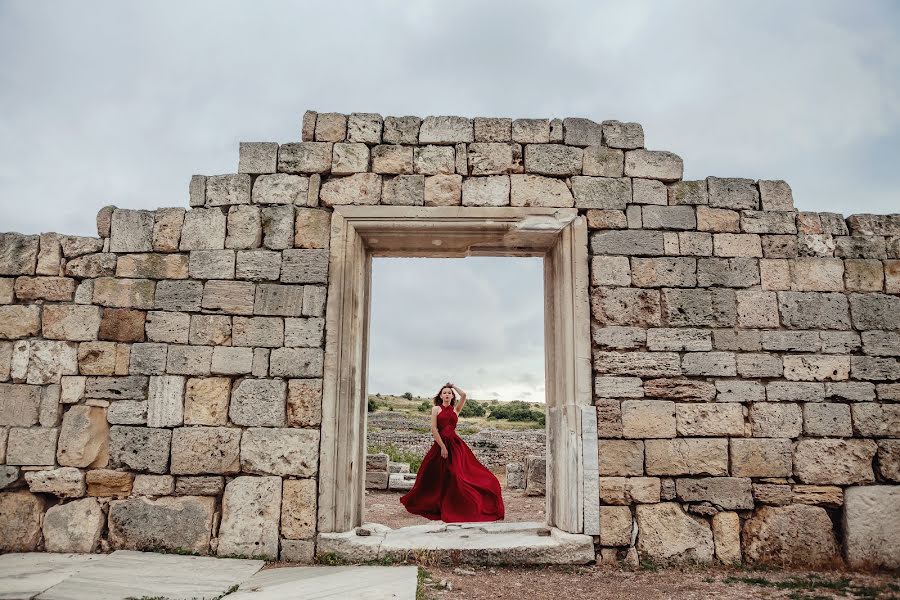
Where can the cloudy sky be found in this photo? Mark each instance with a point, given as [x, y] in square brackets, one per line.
[119, 103]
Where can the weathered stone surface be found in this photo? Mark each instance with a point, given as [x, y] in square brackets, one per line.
[804, 367]
[203, 229]
[74, 527]
[648, 419]
[534, 190]
[132, 231]
[875, 311]
[306, 333]
[726, 528]
[18, 254]
[178, 295]
[443, 190]
[733, 193]
[617, 134]
[19, 405]
[680, 389]
[868, 367]
[19, 321]
[199, 450]
[141, 449]
[258, 331]
[621, 458]
[35, 446]
[401, 130]
[603, 162]
[223, 190]
[790, 535]
[872, 526]
[640, 364]
[726, 419]
[687, 456]
[153, 485]
[888, 460]
[127, 412]
[553, 159]
[133, 387]
[609, 193]
[106, 482]
[761, 457]
[65, 482]
[258, 402]
[486, 191]
[875, 419]
[653, 164]
[298, 509]
[284, 300]
[153, 266]
[234, 297]
[304, 402]
[20, 520]
[53, 289]
[296, 362]
[663, 272]
[187, 360]
[206, 401]
[776, 420]
[667, 534]
[122, 325]
[615, 526]
[393, 159]
[280, 451]
[710, 364]
[625, 306]
[174, 524]
[783, 391]
[167, 224]
[446, 130]
[258, 265]
[83, 437]
[251, 509]
[364, 128]
[827, 419]
[212, 264]
[832, 461]
[349, 158]
[304, 266]
[305, 158]
[330, 127]
[278, 188]
[209, 485]
[244, 227]
[633, 243]
[805, 310]
[728, 493]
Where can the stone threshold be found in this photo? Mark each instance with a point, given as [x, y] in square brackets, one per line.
[524, 543]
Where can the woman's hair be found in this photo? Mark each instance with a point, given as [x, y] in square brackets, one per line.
[437, 397]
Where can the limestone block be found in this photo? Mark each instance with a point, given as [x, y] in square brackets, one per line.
[733, 193]
[729, 493]
[209, 330]
[874, 224]
[446, 130]
[631, 243]
[680, 389]
[693, 193]
[206, 401]
[761, 457]
[258, 331]
[212, 264]
[737, 244]
[178, 295]
[687, 456]
[298, 509]
[305, 158]
[234, 297]
[285, 300]
[818, 495]
[223, 190]
[892, 271]
[606, 219]
[783, 391]
[19, 405]
[553, 159]
[709, 364]
[153, 485]
[141, 449]
[667, 217]
[615, 526]
[278, 227]
[609, 418]
[864, 275]
[244, 226]
[663, 272]
[105, 482]
[889, 459]
[83, 437]
[18, 254]
[20, 525]
[167, 224]
[280, 188]
[776, 195]
[621, 457]
[304, 266]
[608, 193]
[314, 300]
[878, 343]
[618, 387]
[306, 333]
[133, 387]
[404, 190]
[127, 412]
[755, 221]
[791, 341]
[124, 293]
[617, 134]
[618, 337]
[132, 231]
[817, 275]
[757, 309]
[199, 450]
[833, 461]
[74, 527]
[840, 342]
[515, 476]
[776, 420]
[653, 164]
[34, 446]
[872, 526]
[867, 367]
[773, 494]
[625, 306]
[53, 289]
[494, 159]
[304, 402]
[726, 419]
[717, 219]
[297, 551]
[875, 419]
[531, 131]
[610, 270]
[666, 534]
[165, 407]
[203, 229]
[175, 524]
[196, 192]
[65, 482]
[535, 476]
[875, 311]
[401, 130]
[738, 340]
[153, 266]
[209, 485]
[435, 160]
[232, 361]
[251, 510]
[330, 127]
[806, 367]
[603, 162]
[790, 535]
[122, 325]
[48, 361]
[312, 228]
[258, 402]
[486, 191]
[296, 362]
[393, 160]
[258, 265]
[534, 190]
[188, 360]
[640, 364]
[805, 310]
[648, 419]
[19, 321]
[827, 420]
[364, 128]
[854, 391]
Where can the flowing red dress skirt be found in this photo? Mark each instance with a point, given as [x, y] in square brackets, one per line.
[456, 489]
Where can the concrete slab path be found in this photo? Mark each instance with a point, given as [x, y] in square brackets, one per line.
[128, 575]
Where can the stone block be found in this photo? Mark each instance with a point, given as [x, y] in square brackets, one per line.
[304, 403]
[133, 387]
[688, 192]
[65, 482]
[278, 227]
[687, 456]
[273, 299]
[717, 220]
[709, 364]
[678, 339]
[726, 527]
[165, 403]
[18, 321]
[582, 132]
[640, 364]
[131, 231]
[258, 331]
[314, 300]
[776, 420]
[761, 457]
[298, 509]
[680, 389]
[34, 446]
[776, 195]
[790, 535]
[401, 130]
[304, 266]
[875, 311]
[360, 188]
[83, 437]
[663, 272]
[733, 193]
[234, 297]
[876, 419]
[806, 310]
[650, 191]
[124, 293]
[127, 412]
[608, 193]
[48, 361]
[791, 341]
[816, 367]
[280, 188]
[609, 418]
[601, 161]
[631, 243]
[535, 476]
[232, 361]
[258, 265]
[258, 403]
[251, 511]
[203, 229]
[648, 419]
[486, 191]
[621, 457]
[74, 527]
[296, 362]
[872, 368]
[625, 306]
[50, 254]
[206, 401]
[653, 164]
[349, 158]
[531, 131]
[404, 190]
[757, 309]
[223, 190]
[701, 420]
[175, 524]
[610, 271]
[738, 340]
[106, 482]
[18, 254]
[306, 333]
[200, 450]
[20, 525]
[305, 158]
[153, 485]
[889, 459]
[728, 493]
[210, 330]
[617, 134]
[761, 221]
[201, 485]
[152, 266]
[668, 534]
[553, 159]
[668, 217]
[817, 275]
[737, 245]
[534, 190]
[834, 462]
[840, 342]
[443, 190]
[704, 308]
[871, 526]
[178, 295]
[53, 289]
[19, 405]
[189, 360]
[445, 130]
[364, 128]
[122, 325]
[434, 160]
[606, 219]
[244, 227]
[167, 224]
[618, 337]
[615, 526]
[141, 449]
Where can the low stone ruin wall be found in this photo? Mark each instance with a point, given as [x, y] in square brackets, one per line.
[160, 384]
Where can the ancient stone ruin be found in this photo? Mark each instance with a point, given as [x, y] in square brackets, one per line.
[722, 370]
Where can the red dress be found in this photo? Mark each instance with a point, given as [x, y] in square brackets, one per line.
[456, 489]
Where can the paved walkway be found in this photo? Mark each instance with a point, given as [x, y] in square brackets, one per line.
[143, 575]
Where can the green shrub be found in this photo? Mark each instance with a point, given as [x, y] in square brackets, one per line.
[425, 406]
[472, 408]
[408, 395]
[516, 411]
[372, 405]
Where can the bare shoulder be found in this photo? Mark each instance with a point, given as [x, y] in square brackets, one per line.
[435, 409]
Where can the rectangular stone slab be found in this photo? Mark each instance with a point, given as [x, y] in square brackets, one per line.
[25, 575]
[323, 583]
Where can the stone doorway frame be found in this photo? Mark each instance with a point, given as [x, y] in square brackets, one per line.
[559, 235]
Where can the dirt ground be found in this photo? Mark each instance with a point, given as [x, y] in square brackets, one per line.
[384, 507]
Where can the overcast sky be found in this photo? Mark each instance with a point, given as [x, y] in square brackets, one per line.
[119, 103]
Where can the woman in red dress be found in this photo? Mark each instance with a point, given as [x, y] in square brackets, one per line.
[451, 485]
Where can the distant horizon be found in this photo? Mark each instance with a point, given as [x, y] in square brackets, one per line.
[467, 399]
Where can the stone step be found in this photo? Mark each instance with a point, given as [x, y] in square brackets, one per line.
[472, 543]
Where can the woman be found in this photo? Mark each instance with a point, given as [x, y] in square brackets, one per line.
[451, 484]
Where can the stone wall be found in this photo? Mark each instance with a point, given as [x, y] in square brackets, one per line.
[161, 383]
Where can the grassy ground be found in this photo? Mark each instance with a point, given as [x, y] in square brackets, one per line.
[467, 425]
